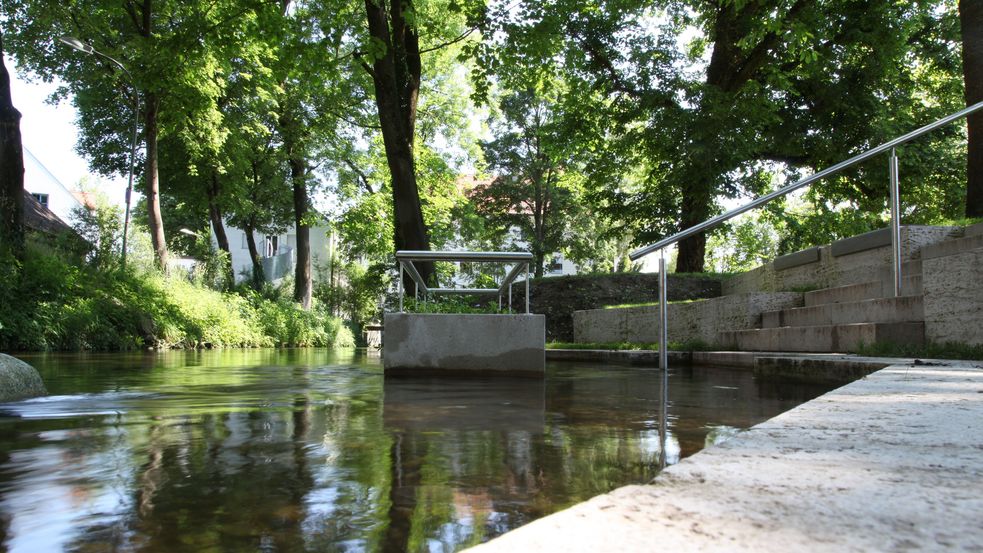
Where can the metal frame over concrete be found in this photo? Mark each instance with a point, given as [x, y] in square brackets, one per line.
[406, 258]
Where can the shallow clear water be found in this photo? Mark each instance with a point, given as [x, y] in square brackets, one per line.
[313, 450]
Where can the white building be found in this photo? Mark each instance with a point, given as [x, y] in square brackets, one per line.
[278, 251]
[49, 191]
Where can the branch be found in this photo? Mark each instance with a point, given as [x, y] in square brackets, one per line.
[361, 175]
[759, 54]
[459, 38]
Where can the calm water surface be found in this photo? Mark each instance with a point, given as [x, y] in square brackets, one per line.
[313, 450]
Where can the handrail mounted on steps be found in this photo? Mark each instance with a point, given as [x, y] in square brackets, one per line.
[715, 221]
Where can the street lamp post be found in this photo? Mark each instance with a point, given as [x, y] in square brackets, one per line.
[88, 49]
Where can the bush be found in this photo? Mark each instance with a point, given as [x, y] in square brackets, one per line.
[51, 303]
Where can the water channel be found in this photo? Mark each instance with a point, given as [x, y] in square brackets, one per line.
[313, 450]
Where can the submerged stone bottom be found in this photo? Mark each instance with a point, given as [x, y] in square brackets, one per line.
[893, 462]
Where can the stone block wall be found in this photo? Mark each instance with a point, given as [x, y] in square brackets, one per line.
[832, 271]
[953, 298]
[701, 320]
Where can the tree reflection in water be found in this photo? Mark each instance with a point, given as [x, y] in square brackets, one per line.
[314, 450]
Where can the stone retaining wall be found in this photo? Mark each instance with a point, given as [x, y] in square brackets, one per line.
[830, 270]
[701, 320]
[953, 298]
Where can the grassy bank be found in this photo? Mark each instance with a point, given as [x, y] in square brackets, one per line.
[49, 303]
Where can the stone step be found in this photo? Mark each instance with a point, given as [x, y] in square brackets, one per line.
[878, 310]
[950, 247]
[973, 230]
[908, 268]
[911, 285]
[844, 338]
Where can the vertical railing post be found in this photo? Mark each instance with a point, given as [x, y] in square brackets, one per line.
[895, 221]
[527, 288]
[510, 297]
[663, 358]
[400, 286]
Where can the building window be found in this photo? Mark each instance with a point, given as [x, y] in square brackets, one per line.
[245, 243]
[41, 198]
[272, 245]
[555, 266]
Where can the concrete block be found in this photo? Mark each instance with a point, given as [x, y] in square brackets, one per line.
[771, 319]
[973, 230]
[824, 338]
[850, 292]
[862, 242]
[438, 344]
[953, 298]
[807, 316]
[796, 259]
[950, 247]
[880, 310]
[850, 337]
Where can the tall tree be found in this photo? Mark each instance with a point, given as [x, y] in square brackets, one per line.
[396, 71]
[11, 167]
[696, 97]
[532, 156]
[174, 51]
[971, 23]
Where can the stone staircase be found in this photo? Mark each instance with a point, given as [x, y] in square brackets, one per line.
[765, 310]
[844, 318]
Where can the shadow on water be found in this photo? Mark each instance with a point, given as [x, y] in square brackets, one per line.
[313, 450]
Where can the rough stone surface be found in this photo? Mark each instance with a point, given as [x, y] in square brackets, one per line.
[825, 338]
[861, 242]
[420, 344]
[803, 257]
[18, 380]
[842, 270]
[953, 298]
[699, 320]
[558, 297]
[889, 463]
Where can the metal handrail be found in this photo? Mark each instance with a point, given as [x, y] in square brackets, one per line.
[713, 222]
[407, 257]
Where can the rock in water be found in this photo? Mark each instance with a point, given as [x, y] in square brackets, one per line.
[18, 380]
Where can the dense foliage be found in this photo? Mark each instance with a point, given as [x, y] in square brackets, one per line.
[51, 302]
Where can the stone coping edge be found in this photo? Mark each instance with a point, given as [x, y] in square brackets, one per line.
[805, 366]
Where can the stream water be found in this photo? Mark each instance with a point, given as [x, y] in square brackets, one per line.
[314, 450]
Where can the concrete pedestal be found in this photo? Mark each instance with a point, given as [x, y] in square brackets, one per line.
[441, 344]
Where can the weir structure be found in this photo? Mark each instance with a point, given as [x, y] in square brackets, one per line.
[436, 344]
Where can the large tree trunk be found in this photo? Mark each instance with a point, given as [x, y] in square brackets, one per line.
[971, 21]
[218, 225]
[302, 275]
[695, 210]
[259, 275]
[11, 168]
[153, 182]
[151, 107]
[396, 76]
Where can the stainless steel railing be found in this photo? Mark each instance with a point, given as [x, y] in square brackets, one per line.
[407, 257]
[713, 222]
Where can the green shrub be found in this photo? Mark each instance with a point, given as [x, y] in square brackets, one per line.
[52, 303]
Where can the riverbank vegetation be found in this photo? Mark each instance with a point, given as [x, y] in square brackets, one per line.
[48, 301]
